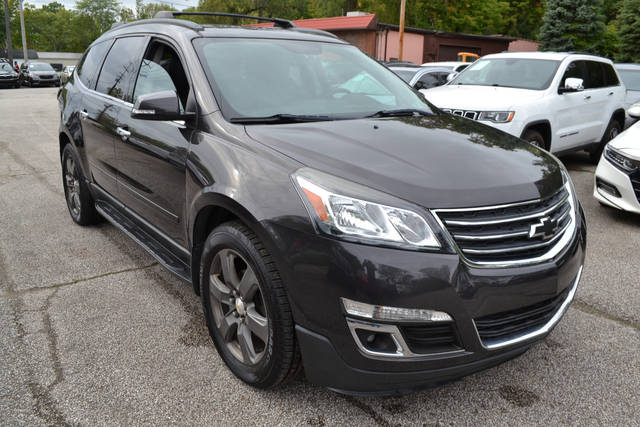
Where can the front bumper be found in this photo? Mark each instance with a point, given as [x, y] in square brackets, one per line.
[608, 175]
[319, 271]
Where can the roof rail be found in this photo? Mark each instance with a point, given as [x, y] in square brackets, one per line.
[314, 31]
[181, 22]
[278, 22]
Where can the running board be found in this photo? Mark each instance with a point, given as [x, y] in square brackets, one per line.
[151, 244]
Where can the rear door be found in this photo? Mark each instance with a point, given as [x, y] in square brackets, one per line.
[152, 159]
[599, 92]
[96, 117]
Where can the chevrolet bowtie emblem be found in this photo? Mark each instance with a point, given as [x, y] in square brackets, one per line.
[546, 227]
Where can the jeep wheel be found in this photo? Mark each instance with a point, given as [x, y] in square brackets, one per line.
[534, 137]
[612, 131]
[246, 307]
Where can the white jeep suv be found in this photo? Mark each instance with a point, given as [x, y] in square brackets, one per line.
[558, 101]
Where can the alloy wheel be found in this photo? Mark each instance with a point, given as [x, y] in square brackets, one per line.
[72, 186]
[238, 307]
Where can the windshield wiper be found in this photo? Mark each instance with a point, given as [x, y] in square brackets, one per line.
[281, 118]
[401, 112]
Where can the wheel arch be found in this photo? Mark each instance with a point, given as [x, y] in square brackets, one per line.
[542, 126]
[620, 116]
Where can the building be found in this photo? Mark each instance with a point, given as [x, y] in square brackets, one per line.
[64, 58]
[523, 45]
[420, 45]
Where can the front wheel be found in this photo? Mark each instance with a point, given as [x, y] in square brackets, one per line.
[246, 307]
[534, 137]
[612, 131]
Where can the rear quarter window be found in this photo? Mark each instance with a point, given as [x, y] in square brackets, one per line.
[91, 62]
[610, 76]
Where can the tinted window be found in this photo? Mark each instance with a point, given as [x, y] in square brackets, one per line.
[90, 65]
[596, 75]
[428, 81]
[630, 78]
[610, 77]
[161, 70]
[120, 67]
[576, 70]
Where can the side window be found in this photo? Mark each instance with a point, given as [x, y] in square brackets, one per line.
[162, 70]
[610, 77]
[428, 81]
[120, 67]
[90, 64]
[578, 70]
[596, 75]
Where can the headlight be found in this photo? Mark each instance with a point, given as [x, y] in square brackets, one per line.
[620, 161]
[343, 216]
[497, 116]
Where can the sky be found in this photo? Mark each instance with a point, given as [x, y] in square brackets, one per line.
[131, 4]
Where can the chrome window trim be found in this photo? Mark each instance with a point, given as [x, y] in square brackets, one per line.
[542, 330]
[567, 237]
[402, 348]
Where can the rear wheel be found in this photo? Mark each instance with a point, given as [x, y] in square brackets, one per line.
[79, 200]
[246, 307]
[612, 131]
[534, 137]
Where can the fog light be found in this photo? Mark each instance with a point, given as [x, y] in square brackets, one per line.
[395, 314]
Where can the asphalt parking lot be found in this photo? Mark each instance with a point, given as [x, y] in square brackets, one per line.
[94, 331]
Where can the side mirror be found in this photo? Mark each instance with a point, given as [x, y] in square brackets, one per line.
[163, 105]
[451, 76]
[572, 84]
[634, 111]
[418, 85]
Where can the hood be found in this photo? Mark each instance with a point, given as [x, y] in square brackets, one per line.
[629, 141]
[439, 161]
[482, 98]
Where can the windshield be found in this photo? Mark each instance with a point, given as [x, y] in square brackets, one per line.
[405, 75]
[631, 79]
[5, 67]
[254, 78]
[40, 67]
[521, 73]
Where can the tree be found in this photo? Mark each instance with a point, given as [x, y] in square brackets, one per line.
[573, 25]
[629, 31]
[101, 13]
[149, 10]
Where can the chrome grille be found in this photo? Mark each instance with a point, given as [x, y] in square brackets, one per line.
[510, 233]
[469, 114]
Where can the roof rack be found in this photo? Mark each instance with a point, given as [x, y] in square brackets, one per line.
[278, 22]
[181, 22]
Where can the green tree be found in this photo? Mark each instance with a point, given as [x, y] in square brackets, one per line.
[149, 10]
[629, 31]
[102, 14]
[573, 25]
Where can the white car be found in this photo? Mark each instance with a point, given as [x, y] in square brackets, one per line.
[454, 66]
[630, 75]
[617, 180]
[558, 101]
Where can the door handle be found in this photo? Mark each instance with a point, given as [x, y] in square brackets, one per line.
[83, 115]
[610, 93]
[587, 97]
[124, 134]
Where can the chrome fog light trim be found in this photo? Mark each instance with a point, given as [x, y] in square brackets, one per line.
[393, 314]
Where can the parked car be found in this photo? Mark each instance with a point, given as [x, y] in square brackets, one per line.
[66, 73]
[630, 76]
[617, 180]
[422, 77]
[456, 66]
[380, 242]
[38, 74]
[558, 101]
[8, 77]
[398, 64]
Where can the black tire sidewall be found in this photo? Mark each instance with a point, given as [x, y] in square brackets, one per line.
[535, 135]
[596, 153]
[88, 214]
[267, 372]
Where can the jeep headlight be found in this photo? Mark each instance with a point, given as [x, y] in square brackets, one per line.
[496, 116]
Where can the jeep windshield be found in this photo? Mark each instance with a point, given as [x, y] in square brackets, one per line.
[275, 81]
[521, 73]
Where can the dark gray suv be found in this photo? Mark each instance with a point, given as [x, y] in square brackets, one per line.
[325, 212]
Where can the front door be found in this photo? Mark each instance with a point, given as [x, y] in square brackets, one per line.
[152, 159]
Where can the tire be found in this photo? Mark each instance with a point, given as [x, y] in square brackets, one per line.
[260, 362]
[612, 131]
[76, 191]
[534, 137]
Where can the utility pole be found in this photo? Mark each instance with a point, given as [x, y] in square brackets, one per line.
[24, 35]
[401, 40]
[8, 32]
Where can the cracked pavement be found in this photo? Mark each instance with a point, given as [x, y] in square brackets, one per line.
[95, 332]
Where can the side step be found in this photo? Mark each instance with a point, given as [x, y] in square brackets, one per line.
[145, 239]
